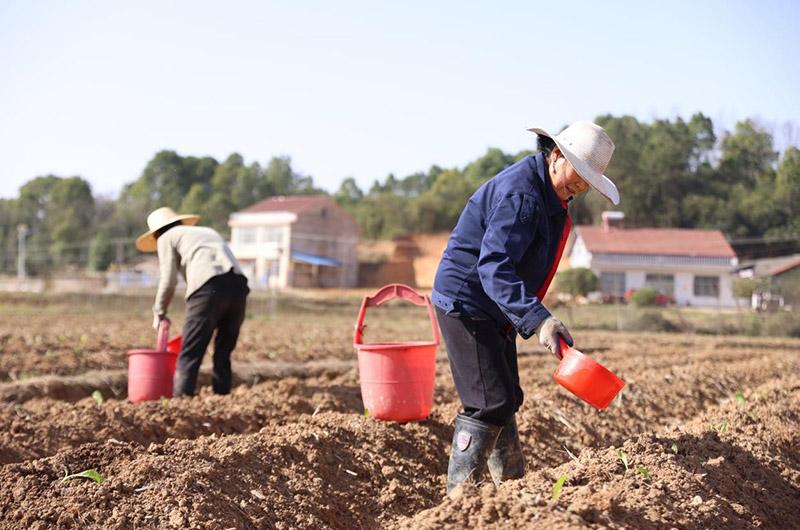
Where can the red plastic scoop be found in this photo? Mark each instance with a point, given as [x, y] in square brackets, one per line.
[586, 378]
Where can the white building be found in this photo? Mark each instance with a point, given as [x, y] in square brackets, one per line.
[693, 267]
[298, 241]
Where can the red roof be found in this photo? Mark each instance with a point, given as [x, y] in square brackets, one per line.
[656, 241]
[784, 268]
[295, 204]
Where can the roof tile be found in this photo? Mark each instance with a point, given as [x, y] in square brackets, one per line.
[656, 241]
[295, 204]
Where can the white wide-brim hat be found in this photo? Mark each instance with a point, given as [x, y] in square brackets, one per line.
[588, 148]
[157, 220]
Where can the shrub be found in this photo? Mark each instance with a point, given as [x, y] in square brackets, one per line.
[644, 297]
[744, 287]
[578, 281]
[782, 324]
[101, 253]
[648, 321]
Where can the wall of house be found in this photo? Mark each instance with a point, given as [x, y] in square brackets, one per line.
[683, 283]
[684, 286]
[579, 256]
[260, 241]
[328, 232]
[788, 284]
[682, 268]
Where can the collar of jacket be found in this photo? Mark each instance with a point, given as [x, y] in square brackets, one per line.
[552, 203]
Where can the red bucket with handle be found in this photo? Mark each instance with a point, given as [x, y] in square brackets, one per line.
[396, 377]
[586, 378]
[150, 372]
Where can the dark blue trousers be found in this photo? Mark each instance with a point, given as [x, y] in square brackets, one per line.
[483, 360]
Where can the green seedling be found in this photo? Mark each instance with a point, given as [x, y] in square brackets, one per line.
[720, 427]
[164, 401]
[622, 456]
[366, 413]
[740, 398]
[557, 487]
[674, 448]
[91, 474]
[643, 472]
[98, 397]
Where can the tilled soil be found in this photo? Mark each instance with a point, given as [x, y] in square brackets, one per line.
[710, 429]
[39, 343]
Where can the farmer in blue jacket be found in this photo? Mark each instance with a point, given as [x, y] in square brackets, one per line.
[498, 264]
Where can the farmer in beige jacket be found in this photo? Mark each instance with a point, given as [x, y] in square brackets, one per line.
[216, 293]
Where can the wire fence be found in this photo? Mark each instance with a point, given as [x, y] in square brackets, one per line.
[119, 266]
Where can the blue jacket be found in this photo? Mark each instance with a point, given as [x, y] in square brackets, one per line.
[504, 249]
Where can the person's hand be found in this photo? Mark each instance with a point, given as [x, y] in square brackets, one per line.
[549, 331]
[157, 320]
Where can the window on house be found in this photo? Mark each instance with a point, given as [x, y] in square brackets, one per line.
[663, 283]
[272, 234]
[706, 286]
[246, 235]
[612, 283]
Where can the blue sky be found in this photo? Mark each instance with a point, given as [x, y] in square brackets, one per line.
[362, 89]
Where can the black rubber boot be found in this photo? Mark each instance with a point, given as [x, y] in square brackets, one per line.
[473, 440]
[183, 384]
[506, 461]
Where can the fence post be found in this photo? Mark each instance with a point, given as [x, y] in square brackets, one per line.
[22, 233]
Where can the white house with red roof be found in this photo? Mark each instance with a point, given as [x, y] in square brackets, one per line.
[297, 241]
[694, 267]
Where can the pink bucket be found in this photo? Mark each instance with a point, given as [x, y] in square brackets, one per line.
[397, 378]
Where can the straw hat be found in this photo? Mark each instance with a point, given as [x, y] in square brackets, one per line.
[157, 220]
[588, 148]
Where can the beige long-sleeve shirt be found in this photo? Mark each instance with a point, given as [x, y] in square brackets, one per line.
[199, 252]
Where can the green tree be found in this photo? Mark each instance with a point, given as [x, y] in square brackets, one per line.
[445, 200]
[413, 185]
[348, 194]
[8, 235]
[101, 253]
[748, 155]
[487, 166]
[629, 136]
[787, 193]
[34, 197]
[166, 180]
[196, 200]
[59, 214]
[70, 214]
[280, 176]
[383, 216]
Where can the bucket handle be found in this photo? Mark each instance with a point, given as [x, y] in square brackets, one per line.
[390, 292]
[163, 334]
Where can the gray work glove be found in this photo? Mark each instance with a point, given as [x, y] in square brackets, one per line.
[549, 330]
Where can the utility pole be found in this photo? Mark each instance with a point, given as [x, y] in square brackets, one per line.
[120, 250]
[22, 233]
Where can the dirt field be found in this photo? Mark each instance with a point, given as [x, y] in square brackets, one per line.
[709, 429]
